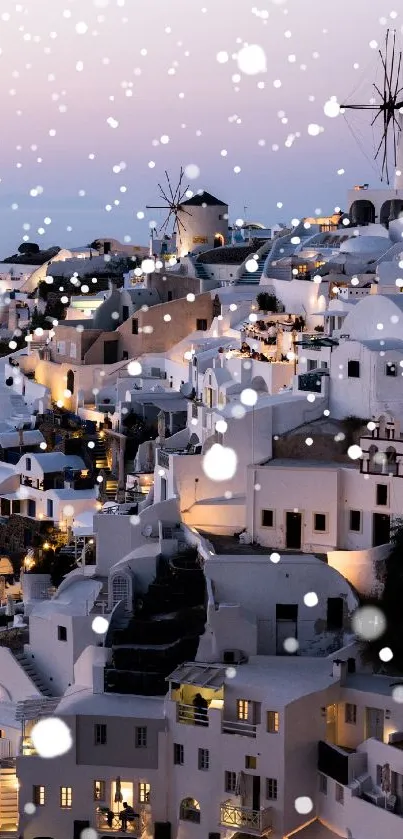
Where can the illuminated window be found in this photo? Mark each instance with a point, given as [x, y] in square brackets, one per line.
[250, 762]
[242, 709]
[144, 792]
[38, 796]
[190, 810]
[66, 796]
[273, 722]
[99, 791]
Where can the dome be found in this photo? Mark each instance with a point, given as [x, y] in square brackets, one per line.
[365, 245]
[396, 230]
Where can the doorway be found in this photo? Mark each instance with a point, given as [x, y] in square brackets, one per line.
[286, 625]
[293, 530]
[380, 529]
[218, 240]
[111, 352]
[163, 489]
[374, 722]
[126, 790]
[70, 381]
[256, 792]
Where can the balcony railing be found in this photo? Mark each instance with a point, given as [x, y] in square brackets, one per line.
[239, 727]
[112, 824]
[189, 715]
[258, 822]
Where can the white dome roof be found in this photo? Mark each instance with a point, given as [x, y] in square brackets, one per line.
[365, 245]
[396, 230]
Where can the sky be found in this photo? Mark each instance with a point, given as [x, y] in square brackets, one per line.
[89, 87]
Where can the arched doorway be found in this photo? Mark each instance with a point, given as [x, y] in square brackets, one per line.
[218, 240]
[362, 212]
[70, 381]
[390, 211]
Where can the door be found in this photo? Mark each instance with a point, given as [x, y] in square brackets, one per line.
[380, 529]
[331, 724]
[286, 625]
[111, 352]
[293, 526]
[125, 313]
[374, 723]
[256, 792]
[163, 489]
[397, 790]
[31, 508]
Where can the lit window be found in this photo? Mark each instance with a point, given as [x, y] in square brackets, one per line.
[144, 792]
[272, 722]
[190, 810]
[242, 709]
[66, 796]
[38, 796]
[250, 762]
[99, 791]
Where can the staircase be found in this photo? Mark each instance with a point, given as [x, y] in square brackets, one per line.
[8, 799]
[19, 409]
[29, 668]
[252, 277]
[100, 461]
[200, 271]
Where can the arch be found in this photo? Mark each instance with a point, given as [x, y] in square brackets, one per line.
[189, 810]
[218, 240]
[390, 211]
[70, 381]
[5, 695]
[362, 212]
[121, 590]
[391, 461]
[194, 440]
[376, 459]
[259, 385]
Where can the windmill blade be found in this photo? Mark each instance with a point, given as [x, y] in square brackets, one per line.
[178, 188]
[165, 197]
[156, 206]
[169, 185]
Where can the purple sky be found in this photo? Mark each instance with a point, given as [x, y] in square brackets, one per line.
[41, 91]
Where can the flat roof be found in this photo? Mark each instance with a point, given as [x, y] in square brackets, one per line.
[82, 701]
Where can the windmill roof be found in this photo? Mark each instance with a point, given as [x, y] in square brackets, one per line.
[203, 198]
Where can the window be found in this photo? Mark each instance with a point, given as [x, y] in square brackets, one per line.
[267, 518]
[73, 350]
[391, 369]
[323, 784]
[141, 737]
[38, 796]
[250, 762]
[61, 347]
[49, 508]
[230, 782]
[339, 794]
[271, 789]
[28, 464]
[242, 709]
[350, 713]
[379, 775]
[203, 761]
[144, 792]
[120, 590]
[272, 722]
[99, 791]
[335, 613]
[66, 796]
[353, 369]
[169, 296]
[62, 633]
[125, 355]
[319, 522]
[312, 365]
[189, 810]
[135, 326]
[179, 756]
[355, 521]
[201, 325]
[100, 734]
[381, 495]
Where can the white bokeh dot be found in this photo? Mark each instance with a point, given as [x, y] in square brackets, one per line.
[51, 737]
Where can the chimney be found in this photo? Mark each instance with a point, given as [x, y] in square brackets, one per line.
[340, 670]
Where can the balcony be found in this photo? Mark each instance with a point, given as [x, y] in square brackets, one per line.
[189, 715]
[112, 825]
[246, 729]
[255, 822]
[163, 459]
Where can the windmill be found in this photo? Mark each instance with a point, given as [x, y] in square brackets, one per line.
[172, 205]
[387, 105]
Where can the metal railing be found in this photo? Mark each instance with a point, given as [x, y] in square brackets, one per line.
[259, 821]
[163, 459]
[189, 715]
[112, 823]
[239, 727]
